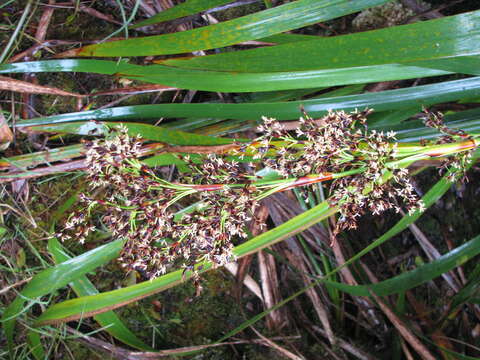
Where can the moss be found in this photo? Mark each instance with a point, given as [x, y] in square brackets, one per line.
[181, 319]
[389, 14]
[238, 11]
[75, 25]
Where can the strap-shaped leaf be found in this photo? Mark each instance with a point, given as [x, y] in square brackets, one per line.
[420, 42]
[420, 275]
[293, 15]
[231, 82]
[54, 278]
[424, 95]
[83, 287]
[272, 81]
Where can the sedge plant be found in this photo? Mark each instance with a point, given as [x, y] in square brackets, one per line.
[368, 171]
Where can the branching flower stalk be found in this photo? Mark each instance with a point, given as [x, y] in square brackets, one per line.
[367, 170]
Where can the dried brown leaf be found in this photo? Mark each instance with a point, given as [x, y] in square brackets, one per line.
[399, 324]
[44, 22]
[98, 14]
[10, 84]
[6, 136]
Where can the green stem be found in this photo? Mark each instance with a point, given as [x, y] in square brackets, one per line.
[17, 30]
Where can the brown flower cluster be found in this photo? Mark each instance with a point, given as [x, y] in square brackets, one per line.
[458, 164]
[140, 207]
[323, 145]
[340, 142]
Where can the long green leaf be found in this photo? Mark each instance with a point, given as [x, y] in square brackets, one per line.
[72, 65]
[420, 275]
[270, 81]
[276, 20]
[41, 157]
[146, 131]
[424, 95]
[447, 37]
[231, 82]
[468, 292]
[415, 130]
[410, 131]
[170, 136]
[83, 287]
[54, 278]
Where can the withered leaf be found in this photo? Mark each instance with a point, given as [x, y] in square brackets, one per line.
[10, 84]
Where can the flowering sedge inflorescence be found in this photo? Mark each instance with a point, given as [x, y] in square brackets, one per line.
[145, 210]
[339, 143]
[139, 206]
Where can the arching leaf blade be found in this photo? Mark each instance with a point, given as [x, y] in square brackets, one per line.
[424, 95]
[424, 42]
[54, 278]
[218, 81]
[109, 320]
[208, 80]
[272, 21]
[418, 276]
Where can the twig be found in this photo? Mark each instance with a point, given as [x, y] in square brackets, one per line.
[275, 346]
[433, 254]
[19, 213]
[270, 289]
[406, 350]
[399, 323]
[34, 49]
[345, 345]
[247, 280]
[6, 136]
[92, 12]
[18, 283]
[121, 353]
